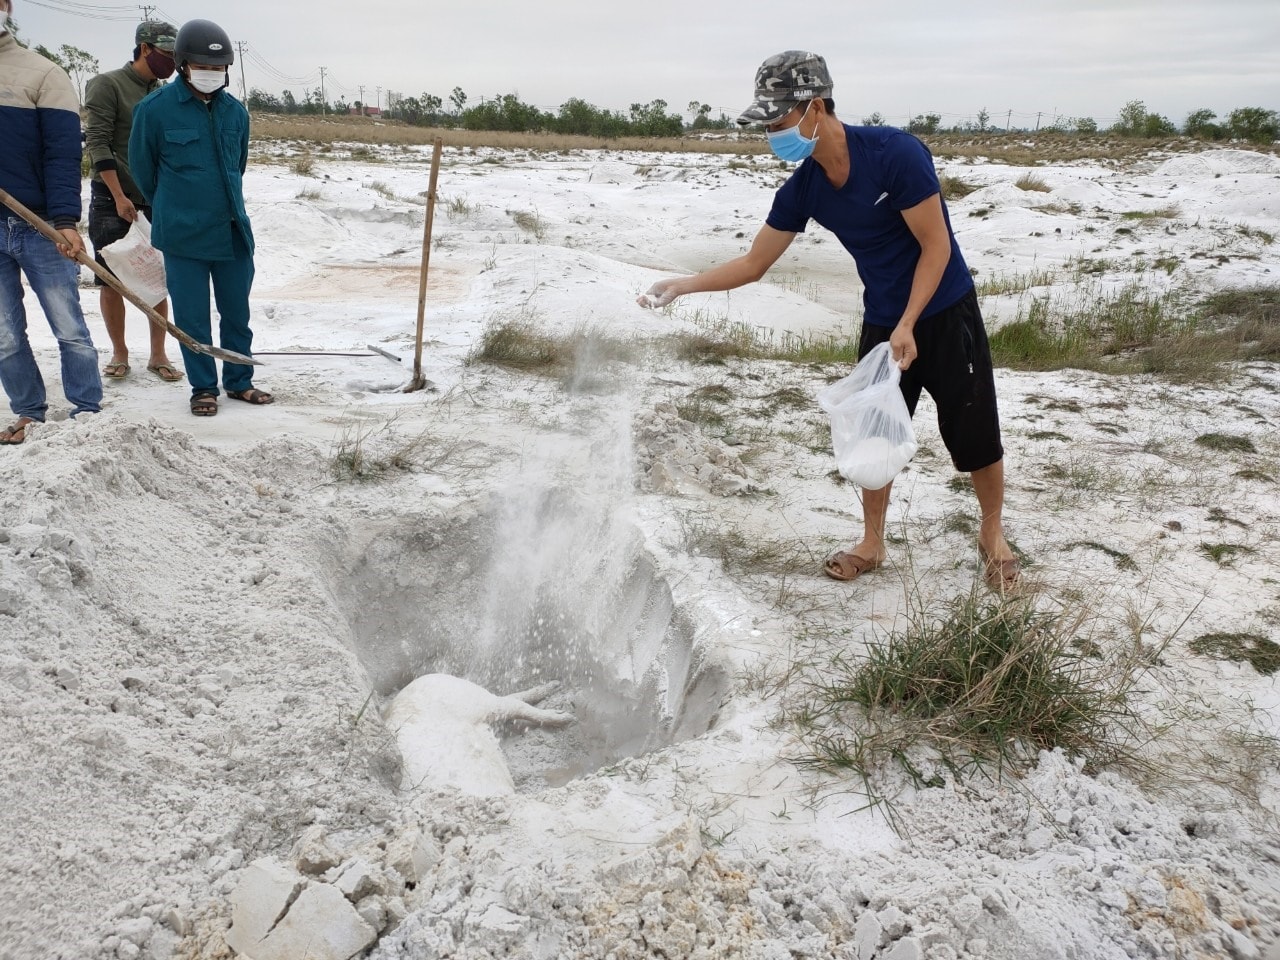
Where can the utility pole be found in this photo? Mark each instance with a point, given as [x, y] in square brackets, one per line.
[1007, 117]
[1038, 113]
[244, 89]
[323, 105]
[361, 89]
[146, 10]
[378, 102]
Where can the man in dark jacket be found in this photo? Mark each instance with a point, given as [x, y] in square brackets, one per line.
[188, 152]
[40, 168]
[115, 200]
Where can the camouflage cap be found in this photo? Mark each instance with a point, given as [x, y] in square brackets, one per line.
[784, 80]
[156, 33]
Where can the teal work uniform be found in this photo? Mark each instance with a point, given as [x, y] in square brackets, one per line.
[188, 158]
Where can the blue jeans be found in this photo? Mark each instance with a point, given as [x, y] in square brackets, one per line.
[55, 281]
[188, 282]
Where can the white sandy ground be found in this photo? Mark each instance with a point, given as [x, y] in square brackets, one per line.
[198, 624]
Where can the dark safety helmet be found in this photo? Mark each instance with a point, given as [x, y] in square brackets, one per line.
[205, 43]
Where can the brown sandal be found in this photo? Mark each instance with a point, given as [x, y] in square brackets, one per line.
[256, 397]
[1003, 575]
[839, 565]
[204, 404]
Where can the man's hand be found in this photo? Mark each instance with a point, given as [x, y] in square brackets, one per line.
[125, 209]
[74, 245]
[660, 294]
[902, 343]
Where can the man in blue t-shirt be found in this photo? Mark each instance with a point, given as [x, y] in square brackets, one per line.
[875, 188]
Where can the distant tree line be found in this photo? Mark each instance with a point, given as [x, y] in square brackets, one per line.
[1253, 124]
[507, 112]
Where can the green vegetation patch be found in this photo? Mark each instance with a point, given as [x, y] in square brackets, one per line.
[1122, 559]
[974, 685]
[1261, 652]
[1226, 443]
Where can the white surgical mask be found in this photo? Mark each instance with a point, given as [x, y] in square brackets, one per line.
[207, 81]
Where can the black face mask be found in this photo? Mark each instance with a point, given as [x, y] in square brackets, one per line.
[160, 65]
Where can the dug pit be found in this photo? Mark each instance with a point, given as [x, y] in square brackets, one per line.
[524, 589]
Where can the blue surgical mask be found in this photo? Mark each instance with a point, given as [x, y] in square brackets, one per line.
[790, 144]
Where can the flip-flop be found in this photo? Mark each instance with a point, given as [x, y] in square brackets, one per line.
[116, 370]
[1003, 575]
[8, 434]
[842, 561]
[166, 372]
[257, 397]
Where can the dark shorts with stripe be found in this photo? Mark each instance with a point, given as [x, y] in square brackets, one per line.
[954, 366]
[105, 225]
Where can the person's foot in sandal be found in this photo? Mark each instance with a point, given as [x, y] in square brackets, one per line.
[165, 370]
[116, 369]
[204, 404]
[257, 397]
[1001, 570]
[16, 432]
[845, 565]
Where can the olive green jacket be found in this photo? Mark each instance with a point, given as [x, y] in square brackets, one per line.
[108, 110]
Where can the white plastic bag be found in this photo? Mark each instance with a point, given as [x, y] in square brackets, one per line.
[137, 264]
[870, 427]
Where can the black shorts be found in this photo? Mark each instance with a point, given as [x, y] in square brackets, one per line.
[105, 225]
[954, 365]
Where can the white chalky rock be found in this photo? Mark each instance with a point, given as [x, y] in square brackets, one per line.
[359, 879]
[866, 935]
[413, 855]
[266, 889]
[312, 853]
[905, 949]
[321, 925]
[442, 726]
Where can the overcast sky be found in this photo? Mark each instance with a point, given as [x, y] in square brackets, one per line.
[1053, 57]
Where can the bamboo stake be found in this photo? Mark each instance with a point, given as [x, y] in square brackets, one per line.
[419, 382]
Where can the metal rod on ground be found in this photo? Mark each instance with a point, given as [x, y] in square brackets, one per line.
[110, 280]
[419, 382]
[386, 353]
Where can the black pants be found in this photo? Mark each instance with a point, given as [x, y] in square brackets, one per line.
[954, 365]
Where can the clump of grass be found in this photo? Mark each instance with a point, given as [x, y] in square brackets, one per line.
[303, 165]
[1224, 554]
[788, 397]
[1161, 213]
[1130, 330]
[1001, 284]
[367, 452]
[310, 193]
[1029, 181]
[1122, 559]
[1225, 443]
[382, 190]
[1261, 652]
[700, 410]
[740, 552]
[519, 344]
[530, 222]
[458, 206]
[978, 685]
[953, 188]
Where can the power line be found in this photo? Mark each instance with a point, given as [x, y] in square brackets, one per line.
[96, 15]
